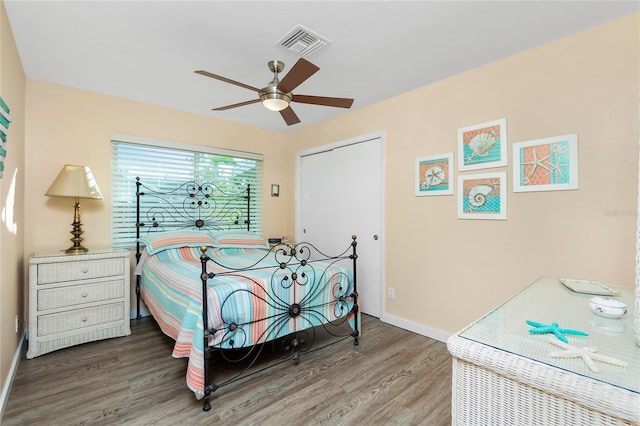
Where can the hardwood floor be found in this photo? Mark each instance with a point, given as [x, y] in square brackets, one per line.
[395, 377]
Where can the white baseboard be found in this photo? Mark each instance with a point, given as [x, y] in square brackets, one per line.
[12, 372]
[432, 333]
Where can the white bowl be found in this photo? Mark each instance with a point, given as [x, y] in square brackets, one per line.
[607, 307]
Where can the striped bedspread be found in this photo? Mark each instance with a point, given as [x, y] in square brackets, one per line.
[244, 308]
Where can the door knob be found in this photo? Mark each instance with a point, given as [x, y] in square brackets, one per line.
[375, 237]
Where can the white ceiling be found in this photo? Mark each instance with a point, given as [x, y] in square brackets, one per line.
[147, 50]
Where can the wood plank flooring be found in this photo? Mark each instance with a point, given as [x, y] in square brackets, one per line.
[395, 377]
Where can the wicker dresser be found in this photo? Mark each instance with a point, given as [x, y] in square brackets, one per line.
[503, 375]
[77, 298]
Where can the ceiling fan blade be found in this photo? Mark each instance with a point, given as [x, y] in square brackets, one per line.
[224, 108]
[323, 100]
[301, 71]
[226, 80]
[289, 116]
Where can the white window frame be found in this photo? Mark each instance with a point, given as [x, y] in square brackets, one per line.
[121, 192]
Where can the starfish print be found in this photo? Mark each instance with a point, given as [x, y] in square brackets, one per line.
[469, 158]
[553, 328]
[557, 167]
[536, 163]
[587, 354]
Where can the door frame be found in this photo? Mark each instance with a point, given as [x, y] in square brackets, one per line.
[298, 196]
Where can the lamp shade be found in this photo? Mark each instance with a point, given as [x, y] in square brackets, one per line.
[75, 181]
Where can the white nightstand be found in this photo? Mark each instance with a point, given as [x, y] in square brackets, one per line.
[77, 298]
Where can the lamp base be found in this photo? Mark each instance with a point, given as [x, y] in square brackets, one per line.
[76, 250]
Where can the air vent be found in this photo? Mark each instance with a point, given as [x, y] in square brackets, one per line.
[303, 41]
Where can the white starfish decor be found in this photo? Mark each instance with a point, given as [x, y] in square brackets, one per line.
[588, 355]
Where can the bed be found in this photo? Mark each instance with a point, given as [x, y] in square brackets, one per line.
[218, 288]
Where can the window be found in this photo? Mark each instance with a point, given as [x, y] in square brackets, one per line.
[165, 165]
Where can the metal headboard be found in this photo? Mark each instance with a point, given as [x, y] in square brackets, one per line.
[189, 205]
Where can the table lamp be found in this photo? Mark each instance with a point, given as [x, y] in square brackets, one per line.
[75, 182]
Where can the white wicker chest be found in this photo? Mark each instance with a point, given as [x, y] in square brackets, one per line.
[502, 374]
[77, 298]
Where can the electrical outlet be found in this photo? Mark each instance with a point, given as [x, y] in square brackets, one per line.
[17, 323]
[391, 293]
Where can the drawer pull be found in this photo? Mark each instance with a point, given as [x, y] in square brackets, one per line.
[84, 319]
[84, 295]
[84, 271]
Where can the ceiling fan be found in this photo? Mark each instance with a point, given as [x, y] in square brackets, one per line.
[277, 95]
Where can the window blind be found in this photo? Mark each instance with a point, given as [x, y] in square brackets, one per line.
[165, 166]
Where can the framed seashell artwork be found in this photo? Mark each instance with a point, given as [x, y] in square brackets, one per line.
[5, 120]
[482, 196]
[483, 145]
[549, 164]
[433, 175]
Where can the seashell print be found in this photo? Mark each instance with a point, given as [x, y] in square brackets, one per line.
[560, 148]
[478, 195]
[481, 144]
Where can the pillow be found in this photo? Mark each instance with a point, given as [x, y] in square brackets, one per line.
[158, 241]
[239, 239]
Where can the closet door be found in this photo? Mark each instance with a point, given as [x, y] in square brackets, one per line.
[342, 195]
[316, 215]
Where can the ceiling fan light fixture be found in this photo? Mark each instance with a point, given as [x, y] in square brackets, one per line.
[273, 99]
[275, 103]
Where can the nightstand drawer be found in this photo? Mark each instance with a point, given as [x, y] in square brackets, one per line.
[70, 271]
[59, 297]
[79, 318]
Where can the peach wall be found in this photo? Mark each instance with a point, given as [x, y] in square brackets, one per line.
[447, 272]
[12, 83]
[66, 125]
